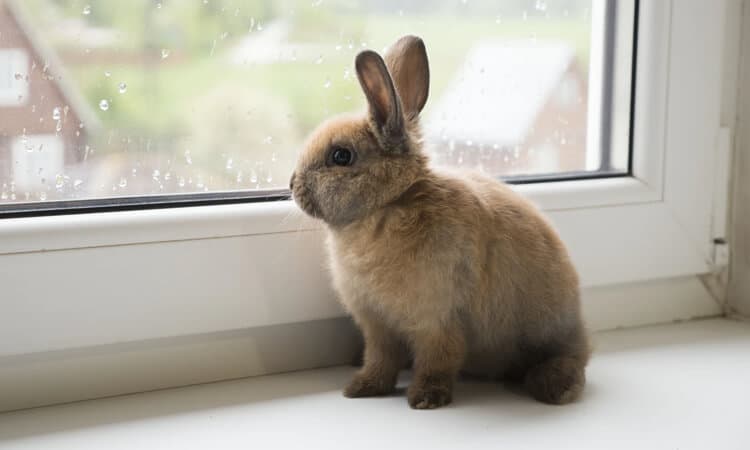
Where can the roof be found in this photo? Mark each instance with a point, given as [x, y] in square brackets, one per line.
[72, 95]
[500, 90]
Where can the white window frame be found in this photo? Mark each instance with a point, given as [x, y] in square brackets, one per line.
[76, 281]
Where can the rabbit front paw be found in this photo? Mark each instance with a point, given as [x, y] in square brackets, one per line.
[369, 385]
[430, 392]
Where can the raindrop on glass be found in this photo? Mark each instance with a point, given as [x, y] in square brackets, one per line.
[77, 184]
[42, 196]
[104, 105]
[188, 157]
[56, 113]
[107, 74]
[18, 76]
[181, 182]
[164, 53]
[319, 60]
[327, 83]
[59, 181]
[155, 174]
[86, 10]
[268, 140]
[230, 164]
[122, 87]
[540, 5]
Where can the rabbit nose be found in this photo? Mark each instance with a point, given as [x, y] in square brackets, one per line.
[291, 181]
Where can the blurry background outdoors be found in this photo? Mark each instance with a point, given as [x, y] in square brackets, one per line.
[102, 98]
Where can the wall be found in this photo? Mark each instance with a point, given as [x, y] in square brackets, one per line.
[739, 282]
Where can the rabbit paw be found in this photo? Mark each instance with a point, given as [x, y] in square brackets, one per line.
[430, 392]
[367, 385]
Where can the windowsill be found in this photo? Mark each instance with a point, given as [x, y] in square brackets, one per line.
[673, 386]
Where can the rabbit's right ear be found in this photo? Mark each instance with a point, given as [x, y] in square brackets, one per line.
[376, 82]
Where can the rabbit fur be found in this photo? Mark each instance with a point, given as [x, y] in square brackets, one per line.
[449, 272]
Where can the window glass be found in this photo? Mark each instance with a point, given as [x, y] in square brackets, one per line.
[144, 97]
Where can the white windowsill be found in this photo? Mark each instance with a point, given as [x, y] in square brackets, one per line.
[674, 386]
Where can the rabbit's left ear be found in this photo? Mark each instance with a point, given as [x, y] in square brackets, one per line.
[376, 82]
[407, 62]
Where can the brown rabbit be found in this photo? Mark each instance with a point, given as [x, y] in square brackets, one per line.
[454, 273]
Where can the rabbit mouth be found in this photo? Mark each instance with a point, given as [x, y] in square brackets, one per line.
[307, 205]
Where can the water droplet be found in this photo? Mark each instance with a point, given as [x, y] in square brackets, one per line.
[77, 184]
[158, 5]
[167, 176]
[164, 53]
[181, 182]
[123, 182]
[253, 177]
[268, 140]
[155, 174]
[498, 19]
[319, 60]
[223, 35]
[188, 157]
[18, 76]
[59, 181]
[58, 126]
[338, 47]
[56, 113]
[540, 5]
[230, 163]
[327, 83]
[316, 3]
[122, 87]
[104, 105]
[269, 178]
[86, 10]
[107, 74]
[43, 196]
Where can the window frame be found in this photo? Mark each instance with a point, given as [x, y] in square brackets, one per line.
[660, 216]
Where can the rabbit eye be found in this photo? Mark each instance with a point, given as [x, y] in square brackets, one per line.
[341, 156]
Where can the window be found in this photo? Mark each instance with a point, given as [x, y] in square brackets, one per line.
[13, 69]
[639, 239]
[167, 98]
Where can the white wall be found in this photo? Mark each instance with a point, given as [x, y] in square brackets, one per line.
[739, 283]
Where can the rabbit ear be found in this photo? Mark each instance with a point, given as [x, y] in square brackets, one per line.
[407, 62]
[376, 82]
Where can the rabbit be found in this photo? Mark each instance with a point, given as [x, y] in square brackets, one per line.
[451, 273]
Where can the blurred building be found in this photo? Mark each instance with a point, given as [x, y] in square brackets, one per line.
[514, 108]
[44, 120]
